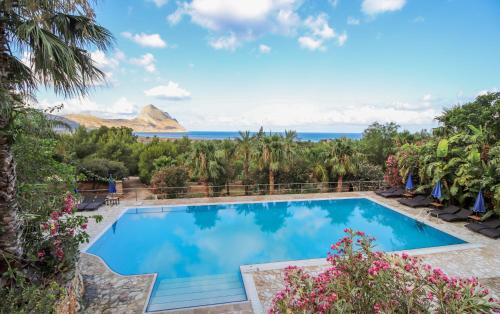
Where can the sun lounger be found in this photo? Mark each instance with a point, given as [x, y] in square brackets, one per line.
[417, 201]
[84, 203]
[396, 193]
[450, 209]
[477, 226]
[98, 202]
[388, 190]
[461, 215]
[493, 233]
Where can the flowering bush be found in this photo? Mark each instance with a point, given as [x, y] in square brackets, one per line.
[391, 175]
[363, 281]
[60, 234]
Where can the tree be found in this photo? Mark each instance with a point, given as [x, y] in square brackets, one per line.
[343, 160]
[271, 156]
[244, 150]
[483, 112]
[53, 35]
[170, 180]
[206, 166]
[378, 142]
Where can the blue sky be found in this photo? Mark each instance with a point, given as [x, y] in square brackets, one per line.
[311, 65]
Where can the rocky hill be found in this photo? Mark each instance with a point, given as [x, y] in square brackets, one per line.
[150, 119]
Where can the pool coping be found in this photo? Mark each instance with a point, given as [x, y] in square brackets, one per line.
[248, 270]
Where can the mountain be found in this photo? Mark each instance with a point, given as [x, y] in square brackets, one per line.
[150, 119]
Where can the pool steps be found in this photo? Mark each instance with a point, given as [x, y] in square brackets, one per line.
[178, 293]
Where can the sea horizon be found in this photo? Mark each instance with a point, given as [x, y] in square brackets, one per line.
[222, 135]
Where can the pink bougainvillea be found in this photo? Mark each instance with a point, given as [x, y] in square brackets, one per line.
[362, 281]
[62, 232]
[391, 176]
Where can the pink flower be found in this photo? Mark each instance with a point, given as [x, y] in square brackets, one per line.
[84, 226]
[360, 233]
[376, 308]
[404, 255]
[41, 254]
[54, 215]
[60, 253]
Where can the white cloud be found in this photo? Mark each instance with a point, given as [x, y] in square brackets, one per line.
[335, 3]
[159, 3]
[427, 97]
[310, 43]
[264, 48]
[279, 116]
[108, 63]
[122, 107]
[318, 33]
[146, 61]
[341, 39]
[229, 42]
[319, 26]
[146, 40]
[353, 21]
[243, 19]
[373, 7]
[171, 91]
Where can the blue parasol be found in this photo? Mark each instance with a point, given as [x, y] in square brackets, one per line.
[111, 185]
[479, 206]
[409, 182]
[436, 191]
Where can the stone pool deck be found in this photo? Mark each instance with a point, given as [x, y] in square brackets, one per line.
[108, 292]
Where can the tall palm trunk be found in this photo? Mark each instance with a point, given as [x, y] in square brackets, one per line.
[339, 183]
[246, 174]
[9, 223]
[271, 181]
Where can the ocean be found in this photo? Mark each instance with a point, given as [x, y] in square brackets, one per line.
[222, 135]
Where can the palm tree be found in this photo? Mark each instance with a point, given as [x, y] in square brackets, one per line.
[200, 162]
[225, 158]
[343, 160]
[271, 156]
[53, 35]
[244, 149]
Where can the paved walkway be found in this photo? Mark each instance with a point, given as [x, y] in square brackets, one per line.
[108, 292]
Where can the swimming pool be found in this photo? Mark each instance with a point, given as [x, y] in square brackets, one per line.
[197, 250]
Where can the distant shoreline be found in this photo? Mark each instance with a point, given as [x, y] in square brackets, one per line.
[221, 135]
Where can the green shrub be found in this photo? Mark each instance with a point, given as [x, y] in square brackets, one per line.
[99, 168]
[30, 298]
[176, 177]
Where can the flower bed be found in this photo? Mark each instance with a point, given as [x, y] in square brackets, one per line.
[363, 281]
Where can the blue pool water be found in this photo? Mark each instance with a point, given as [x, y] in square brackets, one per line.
[196, 251]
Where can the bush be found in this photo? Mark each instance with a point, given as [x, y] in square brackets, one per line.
[362, 281]
[175, 177]
[99, 169]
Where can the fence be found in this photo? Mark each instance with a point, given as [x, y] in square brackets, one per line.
[191, 191]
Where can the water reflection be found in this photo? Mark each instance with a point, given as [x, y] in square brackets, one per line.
[204, 217]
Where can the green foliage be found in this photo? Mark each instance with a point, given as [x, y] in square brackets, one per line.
[116, 144]
[150, 152]
[174, 177]
[378, 142]
[27, 297]
[483, 112]
[442, 148]
[99, 169]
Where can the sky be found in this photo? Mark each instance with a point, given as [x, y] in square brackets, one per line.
[306, 65]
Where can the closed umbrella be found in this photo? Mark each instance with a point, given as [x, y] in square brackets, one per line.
[409, 182]
[436, 191]
[479, 206]
[111, 185]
